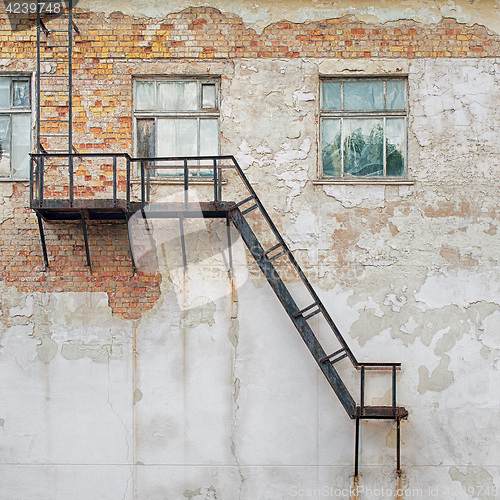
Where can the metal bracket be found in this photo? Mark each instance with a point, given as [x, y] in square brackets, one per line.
[42, 239]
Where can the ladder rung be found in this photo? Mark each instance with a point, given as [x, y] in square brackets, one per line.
[267, 252]
[324, 359]
[242, 202]
[253, 207]
[312, 314]
[302, 311]
[277, 256]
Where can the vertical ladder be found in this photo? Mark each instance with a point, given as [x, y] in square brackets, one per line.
[54, 77]
[54, 92]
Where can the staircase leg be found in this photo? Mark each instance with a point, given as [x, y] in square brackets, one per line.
[398, 446]
[356, 450]
[229, 243]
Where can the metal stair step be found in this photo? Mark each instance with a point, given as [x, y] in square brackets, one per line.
[381, 412]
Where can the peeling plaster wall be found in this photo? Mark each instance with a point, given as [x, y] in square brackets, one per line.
[258, 15]
[210, 393]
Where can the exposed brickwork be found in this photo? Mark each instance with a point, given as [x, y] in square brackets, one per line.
[207, 33]
[130, 294]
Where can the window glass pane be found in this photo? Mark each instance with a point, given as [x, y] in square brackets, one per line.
[395, 94]
[178, 96]
[364, 95]
[363, 147]
[209, 142]
[21, 145]
[177, 137]
[21, 94]
[145, 95]
[4, 92]
[208, 96]
[331, 139]
[331, 95]
[395, 146]
[209, 137]
[4, 146]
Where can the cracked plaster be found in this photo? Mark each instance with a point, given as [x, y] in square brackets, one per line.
[258, 15]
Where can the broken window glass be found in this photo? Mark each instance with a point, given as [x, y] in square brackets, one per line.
[364, 147]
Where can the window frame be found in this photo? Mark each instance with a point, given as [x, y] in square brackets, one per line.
[383, 114]
[199, 114]
[12, 110]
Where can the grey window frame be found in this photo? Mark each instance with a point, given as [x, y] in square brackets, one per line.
[198, 114]
[381, 114]
[12, 110]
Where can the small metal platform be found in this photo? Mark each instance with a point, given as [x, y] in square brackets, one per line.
[121, 211]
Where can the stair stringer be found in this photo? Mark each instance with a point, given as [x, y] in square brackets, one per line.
[292, 309]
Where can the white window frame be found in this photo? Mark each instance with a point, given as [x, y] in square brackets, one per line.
[198, 114]
[383, 114]
[11, 110]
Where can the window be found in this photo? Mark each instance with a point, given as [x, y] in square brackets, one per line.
[363, 128]
[15, 127]
[177, 117]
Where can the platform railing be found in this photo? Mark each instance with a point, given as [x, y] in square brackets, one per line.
[46, 170]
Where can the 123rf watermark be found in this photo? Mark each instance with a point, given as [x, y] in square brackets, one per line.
[18, 12]
[367, 492]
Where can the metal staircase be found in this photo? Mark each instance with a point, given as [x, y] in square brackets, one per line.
[269, 256]
[54, 197]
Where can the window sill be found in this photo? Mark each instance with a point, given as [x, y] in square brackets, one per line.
[9, 179]
[373, 182]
